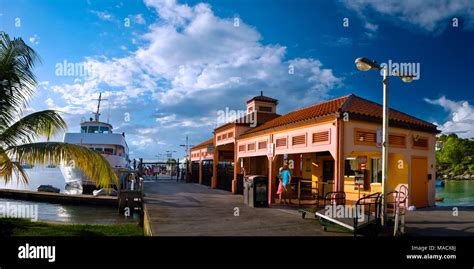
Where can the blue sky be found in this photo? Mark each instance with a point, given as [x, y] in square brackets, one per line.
[167, 68]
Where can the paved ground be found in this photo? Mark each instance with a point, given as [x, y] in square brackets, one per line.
[440, 221]
[196, 210]
[192, 209]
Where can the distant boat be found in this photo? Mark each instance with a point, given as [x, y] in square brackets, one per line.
[439, 199]
[47, 188]
[27, 166]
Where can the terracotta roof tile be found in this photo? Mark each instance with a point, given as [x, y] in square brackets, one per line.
[264, 99]
[364, 107]
[204, 144]
[261, 117]
[302, 114]
[350, 103]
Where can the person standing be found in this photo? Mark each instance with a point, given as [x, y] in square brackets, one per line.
[280, 185]
[285, 176]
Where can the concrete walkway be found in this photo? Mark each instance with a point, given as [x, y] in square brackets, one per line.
[441, 221]
[189, 209]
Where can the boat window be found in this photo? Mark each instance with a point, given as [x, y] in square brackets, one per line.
[84, 129]
[103, 129]
[108, 151]
[93, 129]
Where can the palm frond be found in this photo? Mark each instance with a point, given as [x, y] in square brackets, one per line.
[27, 129]
[17, 80]
[9, 168]
[93, 165]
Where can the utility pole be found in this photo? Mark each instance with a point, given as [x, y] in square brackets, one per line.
[187, 148]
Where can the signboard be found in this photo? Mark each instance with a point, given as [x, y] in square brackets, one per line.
[210, 148]
[270, 150]
[379, 137]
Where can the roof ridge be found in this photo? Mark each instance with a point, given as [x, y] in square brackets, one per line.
[313, 105]
[392, 109]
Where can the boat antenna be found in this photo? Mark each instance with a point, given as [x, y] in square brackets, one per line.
[97, 114]
[108, 112]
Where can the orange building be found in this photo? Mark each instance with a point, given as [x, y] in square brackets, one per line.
[335, 144]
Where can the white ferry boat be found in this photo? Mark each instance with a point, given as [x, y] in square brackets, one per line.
[97, 136]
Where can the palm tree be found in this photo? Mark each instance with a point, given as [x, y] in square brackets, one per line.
[18, 133]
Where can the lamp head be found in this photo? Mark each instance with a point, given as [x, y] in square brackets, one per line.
[407, 79]
[364, 64]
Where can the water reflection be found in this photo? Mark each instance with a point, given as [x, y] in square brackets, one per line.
[76, 214]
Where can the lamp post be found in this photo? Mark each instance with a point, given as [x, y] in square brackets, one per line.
[364, 64]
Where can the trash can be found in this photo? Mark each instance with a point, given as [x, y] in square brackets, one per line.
[240, 184]
[256, 191]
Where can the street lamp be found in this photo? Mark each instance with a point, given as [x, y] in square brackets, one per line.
[364, 64]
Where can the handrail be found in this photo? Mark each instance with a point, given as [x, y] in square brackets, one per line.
[374, 199]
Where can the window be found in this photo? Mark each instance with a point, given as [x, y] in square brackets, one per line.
[298, 140]
[230, 135]
[108, 151]
[93, 129]
[265, 108]
[84, 129]
[320, 137]
[224, 136]
[103, 129]
[251, 109]
[365, 137]
[396, 141]
[376, 172]
[241, 148]
[420, 142]
[262, 145]
[251, 146]
[281, 142]
[350, 166]
[219, 138]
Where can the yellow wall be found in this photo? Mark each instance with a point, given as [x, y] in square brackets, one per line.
[398, 174]
[407, 152]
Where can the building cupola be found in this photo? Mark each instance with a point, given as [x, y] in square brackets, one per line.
[262, 104]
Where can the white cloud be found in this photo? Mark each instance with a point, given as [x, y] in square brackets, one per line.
[103, 15]
[50, 103]
[431, 16]
[461, 119]
[190, 62]
[34, 39]
[44, 84]
[138, 18]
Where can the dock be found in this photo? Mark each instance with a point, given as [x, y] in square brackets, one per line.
[58, 198]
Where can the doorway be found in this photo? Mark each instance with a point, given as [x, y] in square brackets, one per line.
[419, 181]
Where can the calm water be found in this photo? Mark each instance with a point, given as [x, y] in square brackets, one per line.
[456, 193]
[63, 213]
